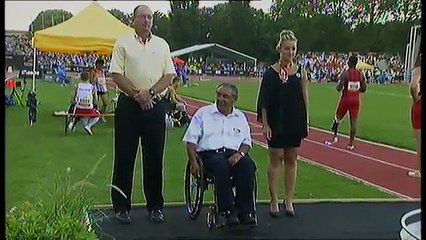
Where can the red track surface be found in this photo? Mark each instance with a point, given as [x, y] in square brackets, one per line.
[379, 165]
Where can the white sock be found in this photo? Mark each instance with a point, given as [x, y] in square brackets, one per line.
[336, 120]
[92, 122]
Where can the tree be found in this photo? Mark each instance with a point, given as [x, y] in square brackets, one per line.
[241, 25]
[206, 15]
[49, 18]
[319, 25]
[370, 12]
[161, 25]
[266, 36]
[218, 28]
[185, 23]
[407, 10]
[291, 8]
[120, 15]
[392, 44]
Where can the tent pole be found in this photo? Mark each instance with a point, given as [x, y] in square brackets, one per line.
[414, 46]
[411, 48]
[256, 70]
[34, 65]
[406, 69]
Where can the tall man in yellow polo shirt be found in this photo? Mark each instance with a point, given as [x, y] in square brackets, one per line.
[142, 68]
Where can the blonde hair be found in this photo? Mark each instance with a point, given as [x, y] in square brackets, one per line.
[286, 35]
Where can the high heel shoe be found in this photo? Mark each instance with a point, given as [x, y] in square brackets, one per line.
[290, 213]
[274, 214]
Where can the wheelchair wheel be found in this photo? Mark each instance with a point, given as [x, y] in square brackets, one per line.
[194, 190]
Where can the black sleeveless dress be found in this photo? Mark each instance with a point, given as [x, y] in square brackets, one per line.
[285, 108]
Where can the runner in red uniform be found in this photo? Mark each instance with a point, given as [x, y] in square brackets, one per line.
[416, 111]
[351, 84]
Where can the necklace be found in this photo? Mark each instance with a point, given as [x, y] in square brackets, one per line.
[283, 74]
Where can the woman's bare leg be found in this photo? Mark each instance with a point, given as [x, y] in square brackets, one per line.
[275, 163]
[290, 174]
[104, 108]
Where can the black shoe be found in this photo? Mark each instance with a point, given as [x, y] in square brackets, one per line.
[227, 219]
[123, 217]
[290, 213]
[156, 216]
[221, 220]
[248, 219]
[272, 213]
[231, 219]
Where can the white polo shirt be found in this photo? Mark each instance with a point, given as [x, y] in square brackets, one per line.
[210, 130]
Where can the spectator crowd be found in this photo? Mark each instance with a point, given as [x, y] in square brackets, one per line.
[321, 66]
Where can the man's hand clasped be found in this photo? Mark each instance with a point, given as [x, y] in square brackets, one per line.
[144, 99]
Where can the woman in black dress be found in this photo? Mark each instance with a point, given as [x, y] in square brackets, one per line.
[282, 108]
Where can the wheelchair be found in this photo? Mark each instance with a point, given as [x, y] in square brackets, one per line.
[195, 186]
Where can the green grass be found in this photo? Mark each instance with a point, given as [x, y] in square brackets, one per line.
[384, 115]
[35, 154]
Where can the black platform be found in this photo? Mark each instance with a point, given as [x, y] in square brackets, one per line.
[323, 220]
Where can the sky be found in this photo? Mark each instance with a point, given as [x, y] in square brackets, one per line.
[20, 14]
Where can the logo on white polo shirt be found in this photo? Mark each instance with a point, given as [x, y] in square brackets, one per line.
[236, 130]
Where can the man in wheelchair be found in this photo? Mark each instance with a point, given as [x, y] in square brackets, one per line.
[220, 135]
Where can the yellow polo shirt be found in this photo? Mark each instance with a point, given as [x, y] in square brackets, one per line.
[143, 64]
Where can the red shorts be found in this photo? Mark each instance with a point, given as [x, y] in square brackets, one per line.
[348, 105]
[91, 112]
[416, 115]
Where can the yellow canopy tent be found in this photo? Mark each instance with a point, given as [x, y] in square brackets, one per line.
[364, 66]
[93, 30]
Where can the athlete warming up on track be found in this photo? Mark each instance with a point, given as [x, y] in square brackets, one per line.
[416, 111]
[98, 79]
[351, 84]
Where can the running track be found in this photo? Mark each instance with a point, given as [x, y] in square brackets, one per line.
[378, 165]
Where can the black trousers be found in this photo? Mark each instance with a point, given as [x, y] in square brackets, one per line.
[32, 114]
[243, 177]
[131, 125]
